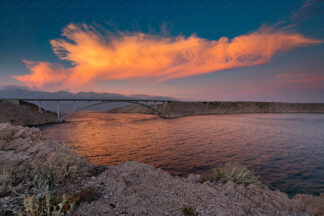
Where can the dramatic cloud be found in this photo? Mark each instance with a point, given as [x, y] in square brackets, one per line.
[44, 73]
[97, 57]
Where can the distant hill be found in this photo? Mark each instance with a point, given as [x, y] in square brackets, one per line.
[178, 109]
[22, 92]
[25, 114]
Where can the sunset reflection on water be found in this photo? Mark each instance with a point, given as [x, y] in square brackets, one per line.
[286, 150]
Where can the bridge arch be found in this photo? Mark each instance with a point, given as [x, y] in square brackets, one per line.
[105, 102]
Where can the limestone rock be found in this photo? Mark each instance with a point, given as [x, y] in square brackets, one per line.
[194, 178]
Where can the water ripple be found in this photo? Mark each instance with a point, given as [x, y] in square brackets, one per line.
[286, 150]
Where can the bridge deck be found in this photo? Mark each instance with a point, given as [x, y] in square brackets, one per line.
[97, 101]
[83, 99]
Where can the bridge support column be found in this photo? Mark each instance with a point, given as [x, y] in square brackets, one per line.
[58, 109]
[40, 106]
[164, 106]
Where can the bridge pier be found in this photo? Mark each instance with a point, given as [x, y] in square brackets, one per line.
[164, 106]
[40, 106]
[58, 109]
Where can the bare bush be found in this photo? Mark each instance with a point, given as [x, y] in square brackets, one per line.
[49, 205]
[232, 172]
[54, 169]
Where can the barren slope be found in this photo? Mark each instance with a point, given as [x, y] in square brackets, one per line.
[25, 114]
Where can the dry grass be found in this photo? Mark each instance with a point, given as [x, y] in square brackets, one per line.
[6, 188]
[188, 211]
[232, 172]
[43, 176]
[47, 174]
[54, 169]
[5, 180]
[49, 205]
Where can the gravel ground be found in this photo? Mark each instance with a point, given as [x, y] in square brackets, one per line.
[135, 188]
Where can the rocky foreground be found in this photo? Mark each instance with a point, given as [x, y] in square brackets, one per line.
[42, 177]
[178, 109]
[23, 113]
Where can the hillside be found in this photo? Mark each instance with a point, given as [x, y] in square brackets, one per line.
[177, 109]
[25, 114]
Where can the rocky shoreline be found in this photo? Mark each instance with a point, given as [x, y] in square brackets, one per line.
[42, 177]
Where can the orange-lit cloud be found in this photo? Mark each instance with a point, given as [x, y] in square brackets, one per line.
[44, 73]
[104, 56]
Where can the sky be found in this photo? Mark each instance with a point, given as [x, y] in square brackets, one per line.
[202, 50]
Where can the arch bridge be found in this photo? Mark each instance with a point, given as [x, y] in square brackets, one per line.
[151, 104]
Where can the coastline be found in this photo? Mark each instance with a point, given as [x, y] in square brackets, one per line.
[130, 188]
[29, 114]
[181, 109]
[25, 114]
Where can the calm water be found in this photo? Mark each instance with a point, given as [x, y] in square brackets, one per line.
[286, 150]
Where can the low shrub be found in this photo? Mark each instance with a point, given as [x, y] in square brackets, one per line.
[188, 211]
[232, 172]
[49, 205]
[42, 178]
[52, 170]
